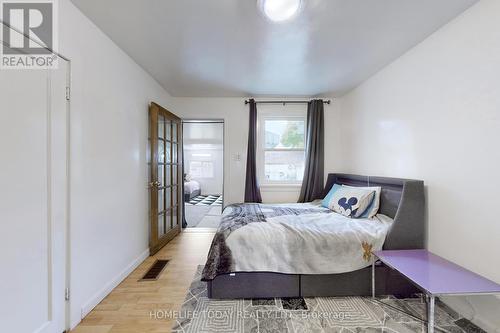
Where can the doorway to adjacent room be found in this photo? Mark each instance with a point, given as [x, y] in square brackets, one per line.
[203, 173]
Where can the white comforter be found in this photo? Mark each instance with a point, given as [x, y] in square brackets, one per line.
[307, 244]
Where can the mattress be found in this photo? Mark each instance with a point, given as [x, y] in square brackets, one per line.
[191, 186]
[293, 239]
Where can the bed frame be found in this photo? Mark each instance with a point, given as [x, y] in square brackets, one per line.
[189, 196]
[401, 199]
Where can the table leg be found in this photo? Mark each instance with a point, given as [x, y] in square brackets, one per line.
[430, 314]
[373, 278]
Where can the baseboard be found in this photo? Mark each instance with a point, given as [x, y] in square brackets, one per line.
[101, 294]
[42, 328]
[481, 310]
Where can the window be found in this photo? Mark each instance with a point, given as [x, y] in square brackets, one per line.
[201, 169]
[281, 149]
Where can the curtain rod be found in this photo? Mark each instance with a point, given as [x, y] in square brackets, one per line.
[285, 102]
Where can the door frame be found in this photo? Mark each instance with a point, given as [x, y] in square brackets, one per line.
[59, 188]
[67, 288]
[224, 164]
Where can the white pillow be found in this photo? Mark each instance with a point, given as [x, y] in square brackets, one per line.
[374, 206]
[351, 201]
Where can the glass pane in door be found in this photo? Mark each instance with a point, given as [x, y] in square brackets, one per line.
[168, 221]
[168, 175]
[161, 200]
[168, 130]
[174, 153]
[168, 153]
[161, 225]
[168, 203]
[161, 151]
[174, 196]
[175, 176]
[174, 132]
[175, 220]
[161, 126]
[161, 175]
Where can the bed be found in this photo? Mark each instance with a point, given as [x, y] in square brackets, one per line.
[305, 250]
[191, 189]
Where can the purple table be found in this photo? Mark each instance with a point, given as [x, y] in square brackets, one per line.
[435, 276]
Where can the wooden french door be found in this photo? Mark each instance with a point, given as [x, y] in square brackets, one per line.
[165, 180]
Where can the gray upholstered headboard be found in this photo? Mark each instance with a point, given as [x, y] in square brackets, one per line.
[401, 199]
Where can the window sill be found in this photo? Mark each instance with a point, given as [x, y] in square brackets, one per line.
[280, 187]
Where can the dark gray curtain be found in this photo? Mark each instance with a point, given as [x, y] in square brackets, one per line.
[252, 191]
[313, 182]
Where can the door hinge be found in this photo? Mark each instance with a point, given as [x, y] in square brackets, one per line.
[68, 93]
[66, 294]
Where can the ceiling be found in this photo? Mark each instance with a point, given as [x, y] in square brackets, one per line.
[222, 48]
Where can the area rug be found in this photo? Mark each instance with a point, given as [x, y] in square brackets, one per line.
[319, 315]
[206, 200]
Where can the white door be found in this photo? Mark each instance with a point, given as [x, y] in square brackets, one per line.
[33, 199]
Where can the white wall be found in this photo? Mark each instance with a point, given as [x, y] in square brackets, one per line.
[109, 130]
[235, 115]
[434, 114]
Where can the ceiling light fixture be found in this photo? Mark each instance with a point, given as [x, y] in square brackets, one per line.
[279, 10]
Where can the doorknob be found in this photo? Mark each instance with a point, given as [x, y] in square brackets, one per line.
[153, 184]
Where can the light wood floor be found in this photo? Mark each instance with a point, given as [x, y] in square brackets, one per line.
[128, 308]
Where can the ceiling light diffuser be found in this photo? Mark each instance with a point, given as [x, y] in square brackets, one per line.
[279, 10]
